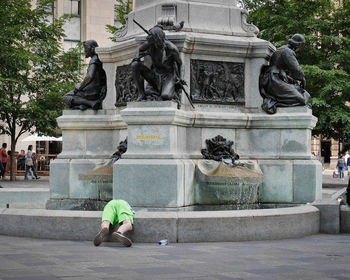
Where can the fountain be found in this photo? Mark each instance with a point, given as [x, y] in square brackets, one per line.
[163, 169]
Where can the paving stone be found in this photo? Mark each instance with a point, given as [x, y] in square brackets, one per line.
[315, 257]
[46, 277]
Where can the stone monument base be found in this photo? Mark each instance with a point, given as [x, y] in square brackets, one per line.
[89, 140]
[160, 183]
[164, 144]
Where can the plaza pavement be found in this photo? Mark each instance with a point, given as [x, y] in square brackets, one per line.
[43, 182]
[321, 257]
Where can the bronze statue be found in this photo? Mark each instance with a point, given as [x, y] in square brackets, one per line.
[122, 147]
[220, 149]
[282, 83]
[165, 76]
[92, 90]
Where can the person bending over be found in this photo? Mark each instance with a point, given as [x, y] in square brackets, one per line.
[117, 218]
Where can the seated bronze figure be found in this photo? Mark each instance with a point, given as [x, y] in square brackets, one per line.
[282, 83]
[92, 90]
[165, 76]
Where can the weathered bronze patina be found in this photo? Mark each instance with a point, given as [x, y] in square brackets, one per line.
[92, 90]
[217, 82]
[282, 83]
[165, 76]
[220, 149]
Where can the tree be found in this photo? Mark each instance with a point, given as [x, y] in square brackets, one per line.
[34, 72]
[325, 58]
[121, 9]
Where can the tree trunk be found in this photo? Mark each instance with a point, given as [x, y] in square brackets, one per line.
[13, 159]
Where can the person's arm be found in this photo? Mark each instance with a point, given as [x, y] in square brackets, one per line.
[3, 153]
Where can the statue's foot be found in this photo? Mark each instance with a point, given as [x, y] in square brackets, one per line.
[96, 106]
[83, 107]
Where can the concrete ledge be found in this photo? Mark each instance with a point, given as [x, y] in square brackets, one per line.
[344, 219]
[248, 225]
[24, 197]
[329, 215]
[201, 226]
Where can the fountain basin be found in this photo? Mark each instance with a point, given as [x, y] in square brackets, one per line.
[188, 226]
[219, 183]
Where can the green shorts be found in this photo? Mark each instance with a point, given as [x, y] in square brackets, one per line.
[117, 211]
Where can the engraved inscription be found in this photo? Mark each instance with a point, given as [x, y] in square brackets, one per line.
[148, 137]
[125, 86]
[217, 82]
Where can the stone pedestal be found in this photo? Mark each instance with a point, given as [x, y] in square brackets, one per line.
[158, 169]
[164, 144]
[89, 140]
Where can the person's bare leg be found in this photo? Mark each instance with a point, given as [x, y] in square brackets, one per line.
[103, 233]
[105, 224]
[119, 234]
[126, 226]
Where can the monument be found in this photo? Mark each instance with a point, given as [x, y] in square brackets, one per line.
[221, 61]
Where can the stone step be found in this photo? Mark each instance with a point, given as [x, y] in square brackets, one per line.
[191, 226]
[24, 197]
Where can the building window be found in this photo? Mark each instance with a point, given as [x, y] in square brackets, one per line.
[72, 26]
[72, 7]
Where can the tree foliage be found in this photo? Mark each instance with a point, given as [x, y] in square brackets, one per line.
[34, 71]
[325, 58]
[121, 9]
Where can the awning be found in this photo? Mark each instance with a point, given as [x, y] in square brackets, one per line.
[35, 137]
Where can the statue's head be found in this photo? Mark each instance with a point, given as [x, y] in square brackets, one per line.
[157, 36]
[297, 42]
[89, 47]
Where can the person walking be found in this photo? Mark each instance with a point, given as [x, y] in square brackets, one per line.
[30, 164]
[341, 166]
[3, 160]
[21, 160]
[117, 218]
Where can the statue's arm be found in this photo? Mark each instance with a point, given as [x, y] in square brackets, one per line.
[142, 50]
[293, 65]
[90, 74]
[179, 64]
